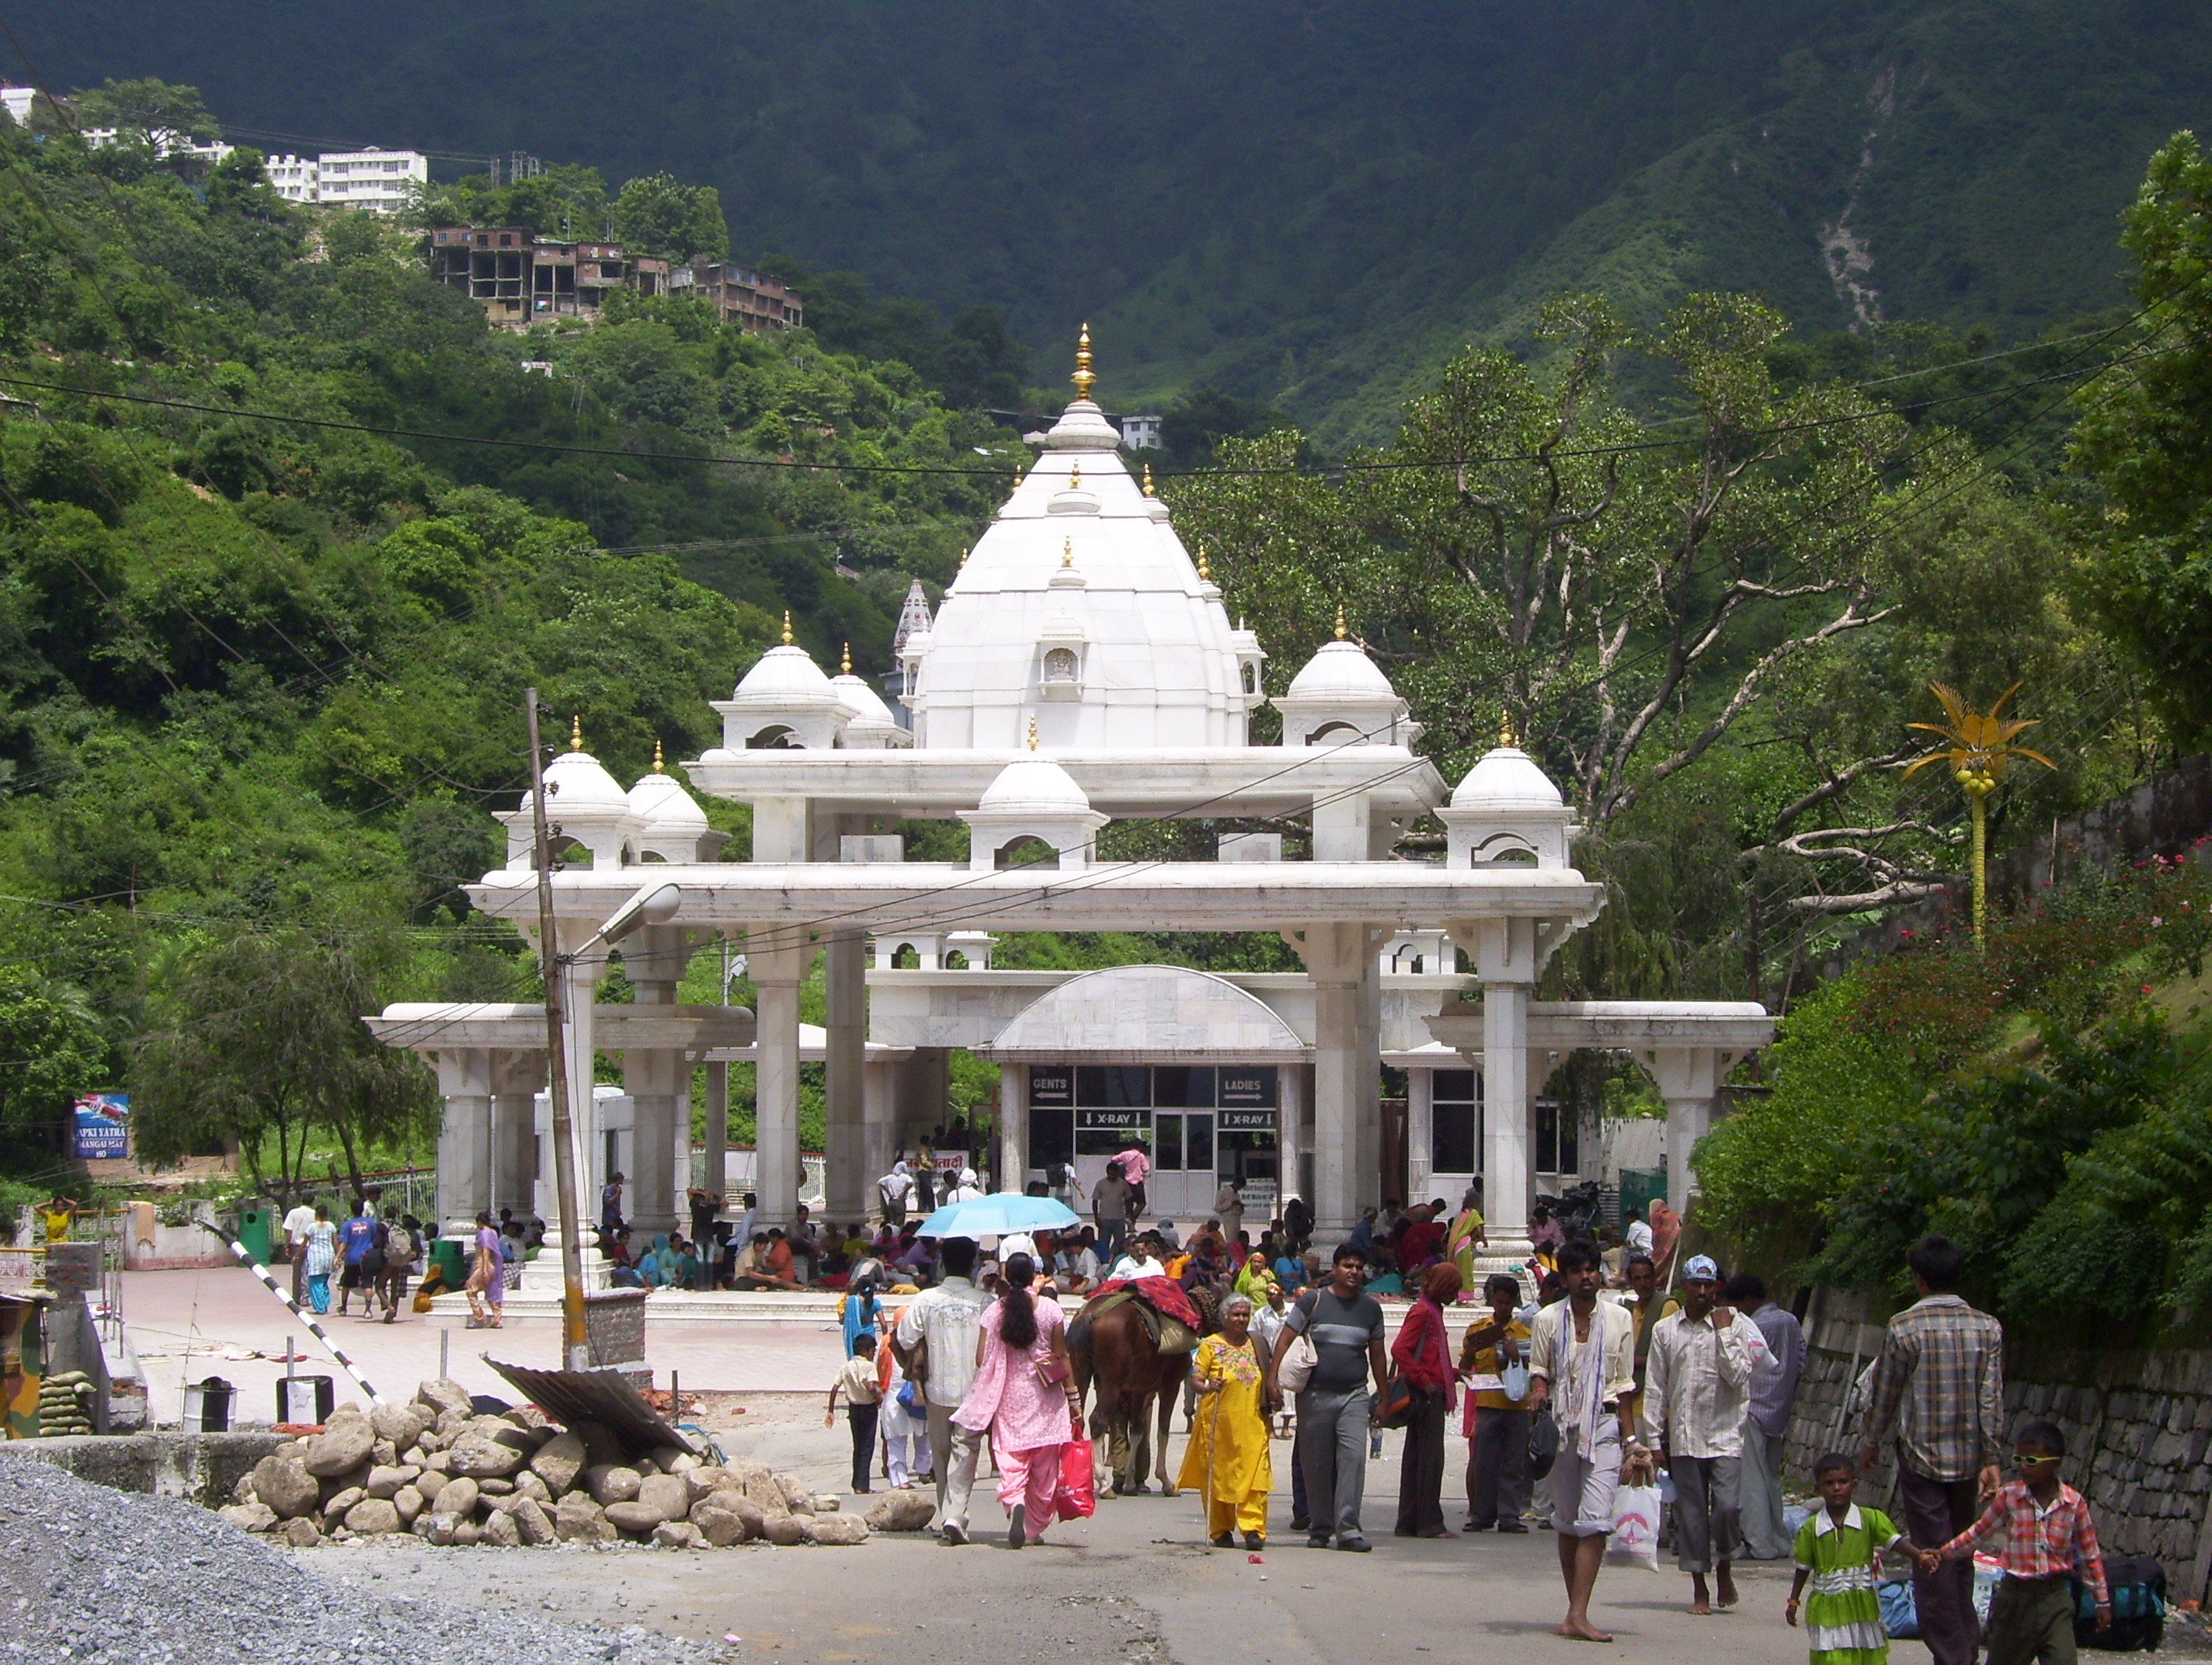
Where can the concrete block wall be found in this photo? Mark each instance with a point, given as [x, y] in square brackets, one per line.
[203, 1468]
[2138, 1429]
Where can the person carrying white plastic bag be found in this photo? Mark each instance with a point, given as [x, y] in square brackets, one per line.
[1636, 1506]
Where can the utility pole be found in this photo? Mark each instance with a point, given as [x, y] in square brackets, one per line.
[575, 1353]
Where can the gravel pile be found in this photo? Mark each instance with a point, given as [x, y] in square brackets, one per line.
[101, 1577]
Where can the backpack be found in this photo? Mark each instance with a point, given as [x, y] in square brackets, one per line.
[400, 1246]
[2137, 1583]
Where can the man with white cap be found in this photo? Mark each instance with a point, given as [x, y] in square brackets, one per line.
[1695, 1386]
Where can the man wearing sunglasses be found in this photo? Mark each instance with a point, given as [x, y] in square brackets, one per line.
[2049, 1541]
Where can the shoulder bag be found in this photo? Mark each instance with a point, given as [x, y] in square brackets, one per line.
[1298, 1362]
[1393, 1405]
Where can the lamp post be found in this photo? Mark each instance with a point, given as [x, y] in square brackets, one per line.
[1980, 745]
[653, 906]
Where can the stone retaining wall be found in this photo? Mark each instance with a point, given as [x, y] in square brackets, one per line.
[2138, 1426]
[203, 1468]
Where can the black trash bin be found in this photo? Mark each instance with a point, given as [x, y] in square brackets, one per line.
[305, 1398]
[207, 1405]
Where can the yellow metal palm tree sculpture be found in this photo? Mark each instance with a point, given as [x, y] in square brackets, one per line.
[1980, 746]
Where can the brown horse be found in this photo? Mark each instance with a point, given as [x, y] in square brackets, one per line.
[1116, 1351]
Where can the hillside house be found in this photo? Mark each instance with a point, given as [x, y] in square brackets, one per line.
[519, 279]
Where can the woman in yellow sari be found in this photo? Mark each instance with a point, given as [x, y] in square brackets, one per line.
[1227, 1460]
[1467, 1236]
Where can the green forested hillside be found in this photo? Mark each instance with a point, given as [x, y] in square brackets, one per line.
[1314, 203]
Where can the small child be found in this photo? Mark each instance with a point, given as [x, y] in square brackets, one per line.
[2048, 1539]
[1840, 1548]
[863, 1399]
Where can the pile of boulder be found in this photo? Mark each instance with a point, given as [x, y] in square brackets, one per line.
[441, 1469]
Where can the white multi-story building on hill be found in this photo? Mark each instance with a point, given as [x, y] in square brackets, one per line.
[294, 177]
[379, 181]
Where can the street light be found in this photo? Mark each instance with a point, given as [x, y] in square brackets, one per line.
[655, 905]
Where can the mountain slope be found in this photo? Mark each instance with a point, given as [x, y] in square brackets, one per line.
[1308, 199]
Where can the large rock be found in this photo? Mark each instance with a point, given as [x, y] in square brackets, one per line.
[667, 1493]
[577, 1519]
[763, 1490]
[345, 1444]
[384, 1454]
[301, 1532]
[787, 1530]
[402, 1425]
[755, 1517]
[459, 1497]
[634, 1516]
[558, 1461]
[409, 1502]
[501, 1529]
[443, 1395]
[673, 1459]
[492, 1486]
[705, 1480]
[354, 1480]
[902, 1511]
[335, 1507]
[678, 1534]
[528, 1485]
[837, 1529]
[507, 1431]
[532, 1522]
[249, 1516]
[386, 1482]
[719, 1527]
[612, 1483]
[374, 1516]
[476, 1454]
[798, 1497]
[600, 1445]
[431, 1481]
[439, 1528]
[530, 1417]
[284, 1483]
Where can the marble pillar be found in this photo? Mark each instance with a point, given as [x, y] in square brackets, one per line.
[717, 1178]
[1688, 1079]
[656, 1078]
[1014, 1163]
[465, 1137]
[1504, 955]
[844, 962]
[517, 1078]
[1347, 1072]
[777, 959]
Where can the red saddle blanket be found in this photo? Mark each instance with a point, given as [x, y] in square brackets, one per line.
[1162, 1295]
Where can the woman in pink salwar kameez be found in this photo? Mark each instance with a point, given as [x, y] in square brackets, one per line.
[1020, 1398]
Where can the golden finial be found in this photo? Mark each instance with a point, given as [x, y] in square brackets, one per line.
[1083, 379]
[1505, 736]
[1067, 551]
[1075, 477]
[575, 733]
[1340, 621]
[846, 663]
[1149, 492]
[657, 767]
[1205, 574]
[786, 627]
[1032, 731]
[964, 558]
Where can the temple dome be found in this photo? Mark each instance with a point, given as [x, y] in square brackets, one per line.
[1507, 780]
[1341, 670]
[668, 810]
[1034, 785]
[785, 670]
[1161, 667]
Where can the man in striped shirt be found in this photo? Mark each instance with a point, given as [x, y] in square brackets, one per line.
[2049, 1540]
[1939, 1388]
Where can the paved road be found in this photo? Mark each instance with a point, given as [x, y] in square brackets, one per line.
[188, 1325]
[1135, 1585]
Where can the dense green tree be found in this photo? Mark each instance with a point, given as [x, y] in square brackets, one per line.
[658, 214]
[147, 112]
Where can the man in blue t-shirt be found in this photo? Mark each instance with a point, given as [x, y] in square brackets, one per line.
[361, 1259]
[1336, 1406]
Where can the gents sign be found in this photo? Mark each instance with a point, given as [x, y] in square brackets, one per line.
[1052, 1086]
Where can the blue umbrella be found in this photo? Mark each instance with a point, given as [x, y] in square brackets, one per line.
[998, 1216]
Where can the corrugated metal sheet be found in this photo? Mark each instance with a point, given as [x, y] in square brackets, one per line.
[604, 1397]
